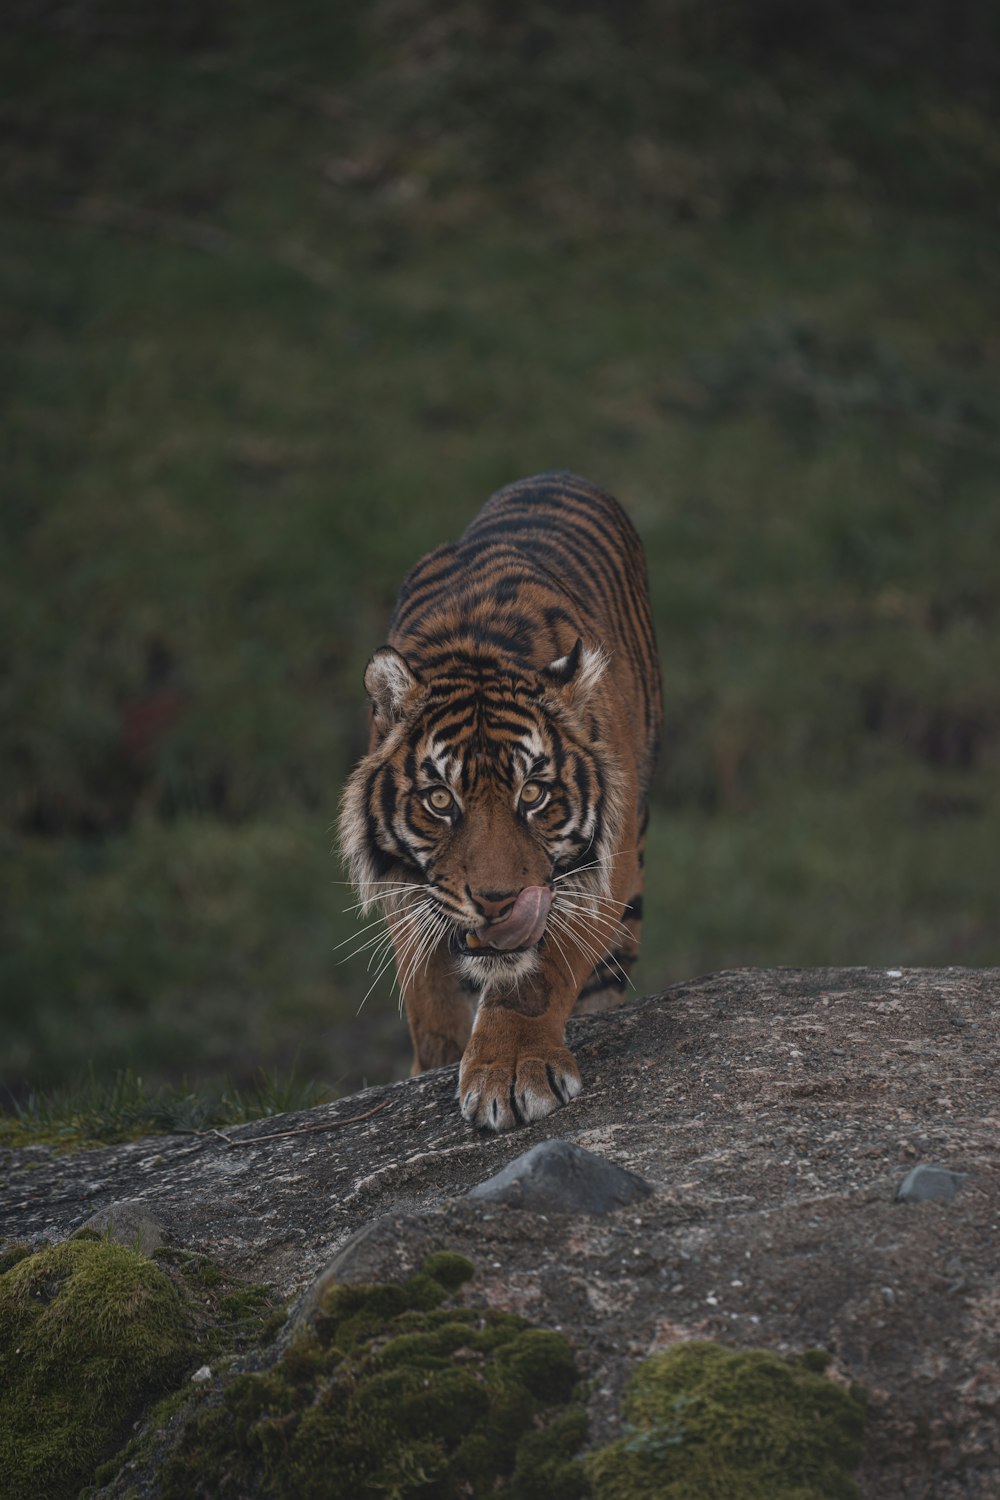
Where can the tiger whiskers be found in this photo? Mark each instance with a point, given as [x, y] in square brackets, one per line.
[412, 929]
[562, 951]
[593, 953]
[419, 945]
[599, 909]
[589, 906]
[385, 964]
[594, 864]
[585, 900]
[368, 927]
[559, 924]
[406, 914]
[389, 889]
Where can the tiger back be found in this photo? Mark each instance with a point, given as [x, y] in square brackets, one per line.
[498, 818]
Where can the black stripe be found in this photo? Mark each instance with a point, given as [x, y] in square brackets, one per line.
[496, 725]
[582, 781]
[382, 863]
[387, 799]
[598, 983]
[443, 726]
[565, 517]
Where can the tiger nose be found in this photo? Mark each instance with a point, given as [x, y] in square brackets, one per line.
[493, 904]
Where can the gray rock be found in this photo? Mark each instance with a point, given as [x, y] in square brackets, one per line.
[925, 1183]
[765, 1106]
[128, 1222]
[341, 1267]
[559, 1177]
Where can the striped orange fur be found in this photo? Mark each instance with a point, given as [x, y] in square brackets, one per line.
[498, 818]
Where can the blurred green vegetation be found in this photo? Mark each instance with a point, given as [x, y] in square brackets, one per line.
[95, 1111]
[287, 291]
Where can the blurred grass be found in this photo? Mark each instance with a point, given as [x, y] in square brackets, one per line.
[94, 1111]
[285, 297]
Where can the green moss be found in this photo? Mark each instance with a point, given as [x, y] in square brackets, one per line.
[817, 1360]
[232, 1316]
[448, 1269]
[154, 1427]
[95, 1339]
[394, 1393]
[90, 1332]
[351, 1314]
[707, 1423]
[11, 1253]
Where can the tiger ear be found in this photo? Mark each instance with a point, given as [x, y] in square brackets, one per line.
[578, 672]
[388, 683]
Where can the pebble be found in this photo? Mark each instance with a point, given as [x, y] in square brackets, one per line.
[925, 1183]
[558, 1177]
[127, 1222]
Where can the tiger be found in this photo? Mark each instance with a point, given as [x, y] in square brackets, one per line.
[498, 819]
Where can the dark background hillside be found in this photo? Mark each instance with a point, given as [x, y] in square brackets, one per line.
[288, 290]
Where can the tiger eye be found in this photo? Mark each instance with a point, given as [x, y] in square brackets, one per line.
[440, 799]
[531, 793]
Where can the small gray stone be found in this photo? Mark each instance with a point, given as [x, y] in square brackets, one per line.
[925, 1183]
[127, 1222]
[559, 1177]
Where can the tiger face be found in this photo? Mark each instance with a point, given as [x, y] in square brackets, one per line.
[485, 808]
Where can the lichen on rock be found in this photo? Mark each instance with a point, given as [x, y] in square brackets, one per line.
[90, 1333]
[395, 1391]
[709, 1423]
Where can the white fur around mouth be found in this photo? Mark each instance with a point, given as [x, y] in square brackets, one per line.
[499, 967]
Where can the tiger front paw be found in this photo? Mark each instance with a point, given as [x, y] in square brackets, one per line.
[508, 1081]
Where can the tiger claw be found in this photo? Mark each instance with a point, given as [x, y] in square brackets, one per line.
[499, 1097]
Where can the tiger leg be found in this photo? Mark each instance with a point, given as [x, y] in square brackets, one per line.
[439, 1010]
[517, 1066]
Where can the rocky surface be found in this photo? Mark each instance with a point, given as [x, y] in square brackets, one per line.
[775, 1114]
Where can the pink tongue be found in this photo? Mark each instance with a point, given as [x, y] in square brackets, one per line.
[525, 923]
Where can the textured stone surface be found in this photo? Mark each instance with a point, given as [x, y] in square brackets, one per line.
[774, 1113]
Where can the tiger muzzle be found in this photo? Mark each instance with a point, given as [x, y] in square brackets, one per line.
[521, 927]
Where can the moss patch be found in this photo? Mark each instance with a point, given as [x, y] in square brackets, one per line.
[90, 1333]
[96, 1338]
[11, 1253]
[394, 1392]
[708, 1423]
[230, 1316]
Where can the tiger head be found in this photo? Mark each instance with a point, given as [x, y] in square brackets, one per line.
[488, 802]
